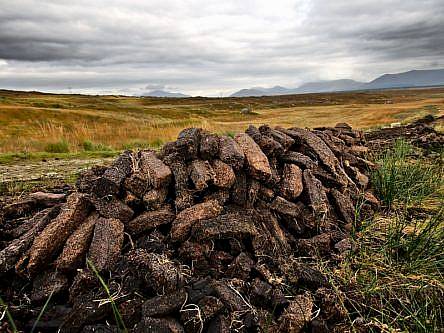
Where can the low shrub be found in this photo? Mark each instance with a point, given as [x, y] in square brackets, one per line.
[61, 146]
[90, 146]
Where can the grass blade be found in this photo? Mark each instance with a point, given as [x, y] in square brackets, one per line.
[9, 316]
[42, 311]
[118, 317]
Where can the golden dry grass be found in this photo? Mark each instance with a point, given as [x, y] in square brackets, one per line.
[31, 121]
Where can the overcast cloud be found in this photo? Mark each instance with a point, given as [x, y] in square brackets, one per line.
[212, 47]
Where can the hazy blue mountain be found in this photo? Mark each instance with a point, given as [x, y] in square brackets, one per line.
[414, 78]
[259, 91]
[278, 90]
[162, 93]
[248, 93]
[326, 86]
[311, 87]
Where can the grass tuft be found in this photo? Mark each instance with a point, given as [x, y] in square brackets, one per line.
[231, 134]
[90, 146]
[400, 178]
[61, 146]
[417, 244]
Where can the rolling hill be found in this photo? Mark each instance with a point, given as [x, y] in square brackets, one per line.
[413, 78]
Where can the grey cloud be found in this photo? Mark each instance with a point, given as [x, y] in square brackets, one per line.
[154, 86]
[207, 46]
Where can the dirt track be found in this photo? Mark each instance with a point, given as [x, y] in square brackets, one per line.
[47, 169]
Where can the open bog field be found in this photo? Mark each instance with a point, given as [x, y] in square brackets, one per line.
[49, 137]
[68, 124]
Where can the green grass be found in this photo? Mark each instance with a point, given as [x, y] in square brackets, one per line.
[144, 144]
[394, 278]
[231, 134]
[90, 146]
[61, 146]
[401, 177]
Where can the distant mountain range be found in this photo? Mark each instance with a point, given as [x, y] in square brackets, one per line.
[414, 78]
[162, 93]
[410, 79]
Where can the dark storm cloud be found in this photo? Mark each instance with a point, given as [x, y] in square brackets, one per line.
[420, 39]
[204, 47]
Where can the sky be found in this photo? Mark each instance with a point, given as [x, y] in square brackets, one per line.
[211, 47]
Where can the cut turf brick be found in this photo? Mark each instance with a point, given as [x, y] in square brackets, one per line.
[299, 159]
[111, 207]
[268, 145]
[291, 184]
[209, 145]
[185, 219]
[257, 162]
[285, 207]
[201, 173]
[10, 255]
[163, 305]
[49, 283]
[159, 325]
[159, 273]
[224, 176]
[76, 247]
[155, 198]
[234, 224]
[316, 194]
[137, 184]
[285, 140]
[154, 170]
[106, 244]
[113, 177]
[150, 220]
[344, 206]
[54, 236]
[231, 153]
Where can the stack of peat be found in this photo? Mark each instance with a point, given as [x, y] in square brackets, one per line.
[419, 133]
[211, 234]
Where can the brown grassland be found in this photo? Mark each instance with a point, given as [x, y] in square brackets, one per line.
[35, 122]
